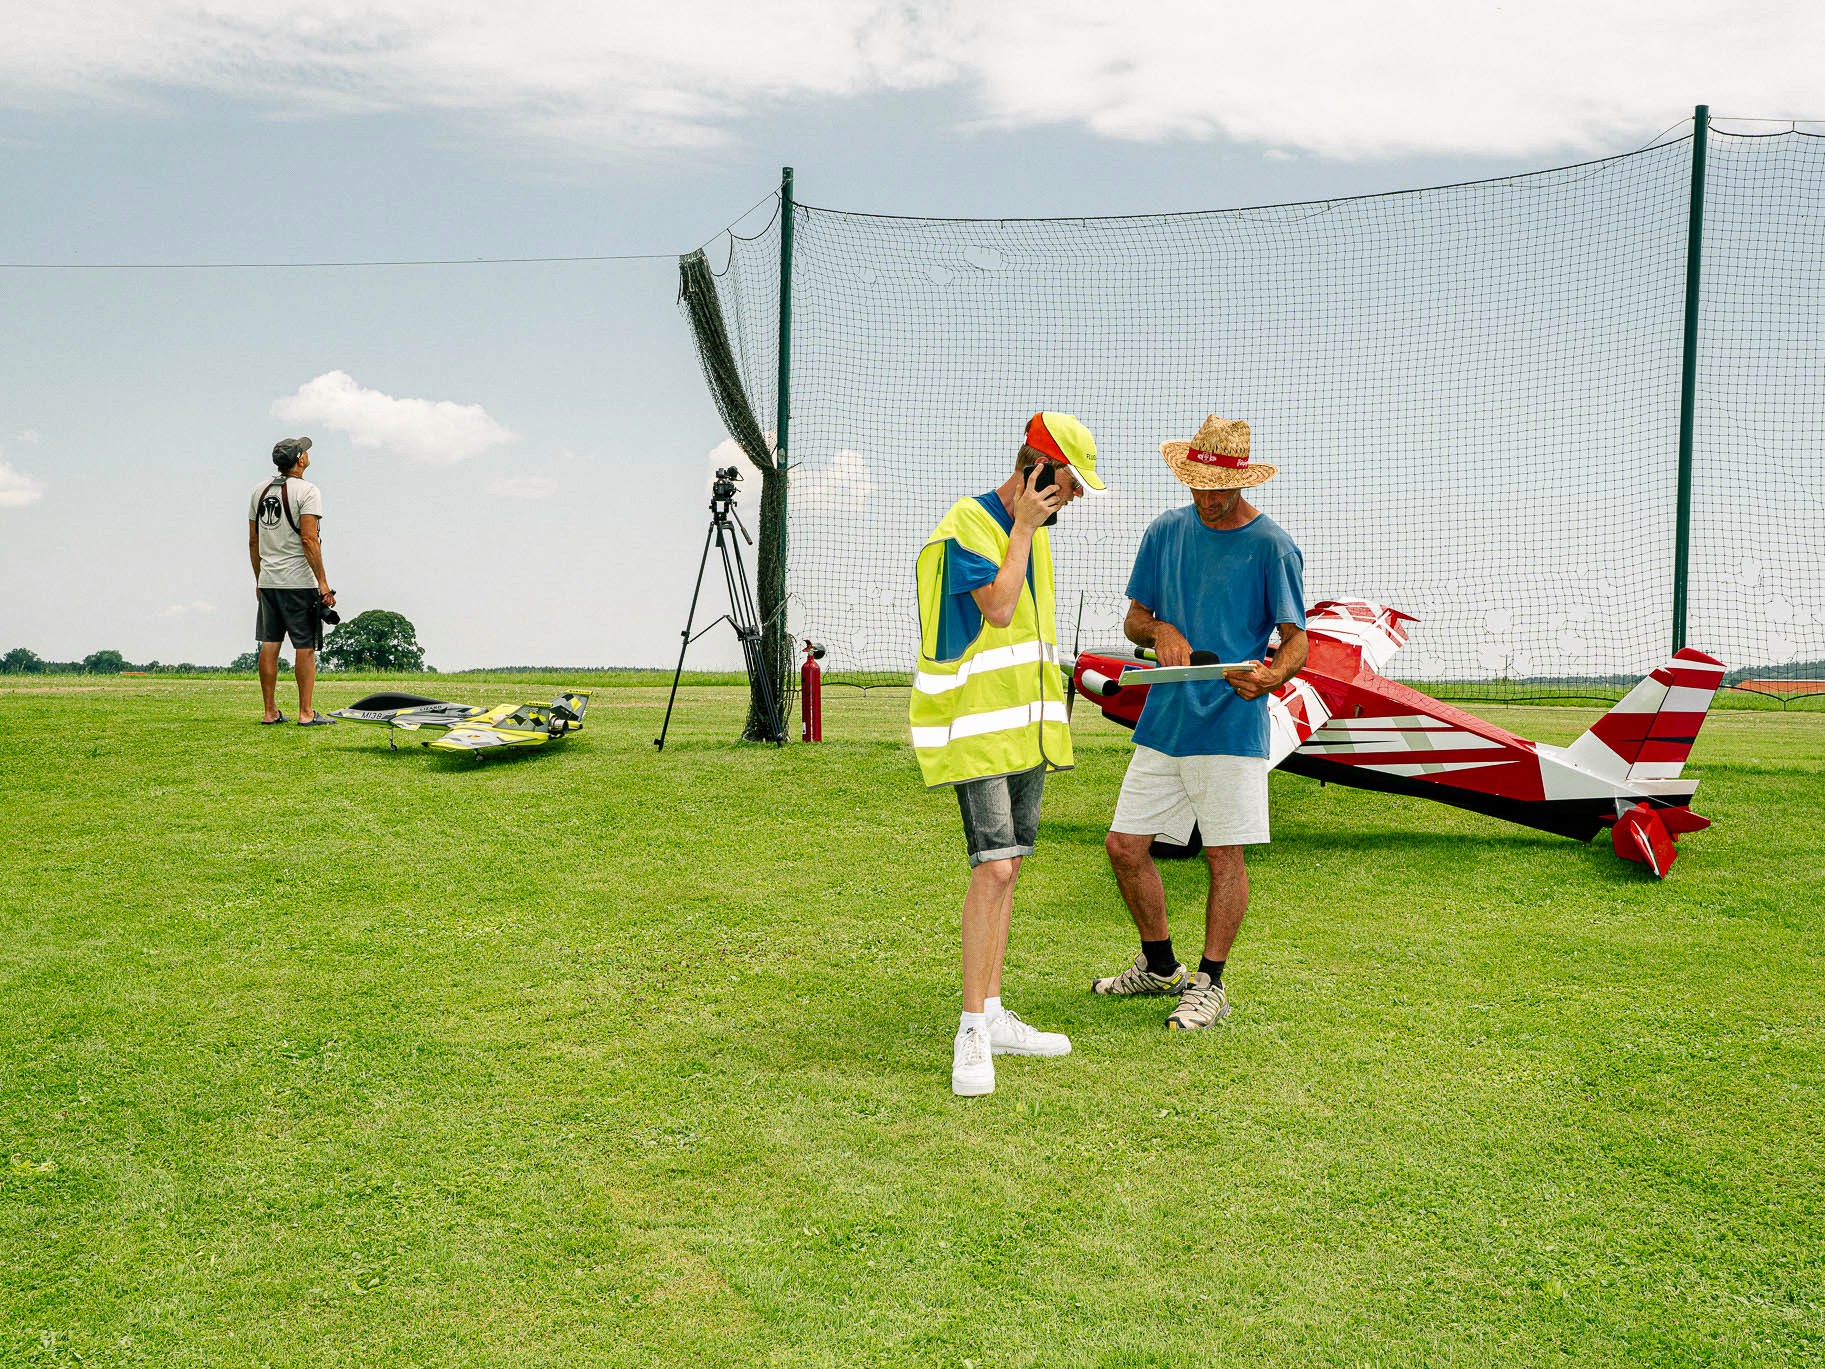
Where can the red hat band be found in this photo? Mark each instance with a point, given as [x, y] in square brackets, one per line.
[1217, 459]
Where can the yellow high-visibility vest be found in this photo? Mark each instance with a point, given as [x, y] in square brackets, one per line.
[998, 708]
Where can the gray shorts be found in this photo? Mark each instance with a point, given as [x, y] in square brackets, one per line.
[1001, 815]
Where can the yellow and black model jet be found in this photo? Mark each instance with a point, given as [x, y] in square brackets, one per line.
[470, 727]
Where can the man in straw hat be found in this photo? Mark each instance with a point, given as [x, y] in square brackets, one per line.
[988, 709]
[1217, 575]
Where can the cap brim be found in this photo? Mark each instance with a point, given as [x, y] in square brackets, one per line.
[1088, 479]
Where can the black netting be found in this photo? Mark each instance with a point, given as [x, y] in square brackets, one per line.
[1472, 393]
[1756, 592]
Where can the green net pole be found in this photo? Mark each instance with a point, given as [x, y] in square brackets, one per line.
[1688, 374]
[770, 573]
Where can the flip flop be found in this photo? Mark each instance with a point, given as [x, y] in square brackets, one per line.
[272, 722]
[318, 720]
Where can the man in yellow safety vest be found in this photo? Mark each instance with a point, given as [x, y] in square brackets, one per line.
[988, 708]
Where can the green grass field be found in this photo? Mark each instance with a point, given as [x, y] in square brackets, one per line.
[312, 1054]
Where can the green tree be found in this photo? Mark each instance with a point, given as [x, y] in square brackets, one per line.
[250, 660]
[105, 663]
[19, 661]
[376, 640]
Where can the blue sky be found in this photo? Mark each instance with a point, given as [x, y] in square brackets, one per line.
[543, 503]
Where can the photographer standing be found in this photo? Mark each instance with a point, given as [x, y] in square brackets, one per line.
[988, 709]
[283, 542]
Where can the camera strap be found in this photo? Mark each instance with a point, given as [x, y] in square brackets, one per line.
[284, 484]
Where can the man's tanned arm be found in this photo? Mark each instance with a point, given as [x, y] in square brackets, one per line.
[313, 553]
[1143, 629]
[253, 548]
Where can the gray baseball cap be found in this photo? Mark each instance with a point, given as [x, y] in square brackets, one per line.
[286, 452]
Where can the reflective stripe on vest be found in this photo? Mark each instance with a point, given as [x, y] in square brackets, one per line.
[998, 708]
[980, 724]
[996, 658]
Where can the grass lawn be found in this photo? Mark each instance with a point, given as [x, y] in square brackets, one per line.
[313, 1054]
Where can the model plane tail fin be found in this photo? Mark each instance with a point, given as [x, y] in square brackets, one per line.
[1650, 733]
[569, 706]
[1379, 630]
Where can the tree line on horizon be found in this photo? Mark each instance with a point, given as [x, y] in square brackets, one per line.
[377, 639]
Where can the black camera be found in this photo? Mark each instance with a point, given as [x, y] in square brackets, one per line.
[327, 612]
[724, 487]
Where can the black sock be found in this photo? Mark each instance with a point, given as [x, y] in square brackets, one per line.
[1160, 959]
[1213, 968]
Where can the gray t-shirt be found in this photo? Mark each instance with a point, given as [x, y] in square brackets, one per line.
[282, 563]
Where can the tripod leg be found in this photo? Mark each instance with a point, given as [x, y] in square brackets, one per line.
[754, 653]
[689, 618]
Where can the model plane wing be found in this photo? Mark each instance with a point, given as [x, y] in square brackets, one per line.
[461, 738]
[408, 711]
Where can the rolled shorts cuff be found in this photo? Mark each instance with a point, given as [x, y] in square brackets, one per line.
[999, 853]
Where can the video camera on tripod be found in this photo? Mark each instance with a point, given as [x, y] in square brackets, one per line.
[723, 490]
[741, 615]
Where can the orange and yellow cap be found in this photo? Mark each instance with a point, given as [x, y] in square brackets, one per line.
[1063, 438]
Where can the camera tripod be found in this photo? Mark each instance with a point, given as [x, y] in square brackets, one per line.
[741, 615]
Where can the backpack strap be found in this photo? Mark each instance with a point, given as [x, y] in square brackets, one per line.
[284, 482]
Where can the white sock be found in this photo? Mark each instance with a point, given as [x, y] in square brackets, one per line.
[973, 1019]
[991, 1008]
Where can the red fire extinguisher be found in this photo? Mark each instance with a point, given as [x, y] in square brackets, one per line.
[811, 693]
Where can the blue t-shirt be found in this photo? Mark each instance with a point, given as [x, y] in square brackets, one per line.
[965, 571]
[1226, 591]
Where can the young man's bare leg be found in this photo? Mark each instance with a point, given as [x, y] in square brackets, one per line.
[304, 666]
[269, 680]
[992, 989]
[987, 909]
[1156, 970]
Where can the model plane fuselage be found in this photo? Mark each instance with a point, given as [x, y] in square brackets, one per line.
[471, 727]
[1342, 722]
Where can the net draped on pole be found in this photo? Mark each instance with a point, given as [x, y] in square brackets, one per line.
[1472, 393]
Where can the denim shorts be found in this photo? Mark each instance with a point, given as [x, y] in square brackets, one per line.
[1001, 814]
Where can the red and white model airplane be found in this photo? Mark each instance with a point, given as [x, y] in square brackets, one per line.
[1342, 722]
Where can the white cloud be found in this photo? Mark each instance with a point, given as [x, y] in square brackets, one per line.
[438, 432]
[31, 437]
[844, 485]
[17, 489]
[522, 487]
[193, 608]
[1319, 76]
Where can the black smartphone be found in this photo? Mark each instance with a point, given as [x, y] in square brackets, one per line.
[1047, 478]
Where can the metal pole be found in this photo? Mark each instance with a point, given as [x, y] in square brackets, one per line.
[772, 608]
[784, 419]
[1688, 374]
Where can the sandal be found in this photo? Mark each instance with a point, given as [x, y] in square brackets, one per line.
[272, 722]
[318, 720]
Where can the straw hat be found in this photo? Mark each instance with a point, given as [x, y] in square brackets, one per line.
[1217, 457]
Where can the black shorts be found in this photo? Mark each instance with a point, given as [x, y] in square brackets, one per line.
[290, 612]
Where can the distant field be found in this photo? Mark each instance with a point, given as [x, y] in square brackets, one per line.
[314, 1054]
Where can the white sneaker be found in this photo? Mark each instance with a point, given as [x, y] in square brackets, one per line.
[972, 1063]
[1008, 1035]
